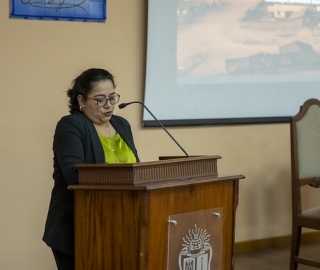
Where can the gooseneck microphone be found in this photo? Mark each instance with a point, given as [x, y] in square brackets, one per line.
[123, 105]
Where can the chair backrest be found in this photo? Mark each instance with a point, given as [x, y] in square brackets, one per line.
[305, 147]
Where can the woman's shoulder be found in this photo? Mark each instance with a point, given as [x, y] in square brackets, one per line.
[75, 119]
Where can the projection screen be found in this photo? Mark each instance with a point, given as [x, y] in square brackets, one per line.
[231, 61]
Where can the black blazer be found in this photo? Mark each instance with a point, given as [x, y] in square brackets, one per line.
[75, 142]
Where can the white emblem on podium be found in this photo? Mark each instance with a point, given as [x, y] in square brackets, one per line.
[196, 253]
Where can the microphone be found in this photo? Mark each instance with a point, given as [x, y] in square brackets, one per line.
[123, 105]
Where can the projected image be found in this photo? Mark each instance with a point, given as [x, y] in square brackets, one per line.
[248, 37]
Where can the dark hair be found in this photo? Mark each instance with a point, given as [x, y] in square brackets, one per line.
[83, 84]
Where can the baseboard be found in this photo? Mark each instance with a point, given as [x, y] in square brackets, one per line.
[274, 242]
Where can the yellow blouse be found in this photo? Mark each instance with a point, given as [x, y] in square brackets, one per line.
[116, 150]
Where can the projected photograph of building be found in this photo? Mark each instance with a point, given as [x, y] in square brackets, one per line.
[241, 37]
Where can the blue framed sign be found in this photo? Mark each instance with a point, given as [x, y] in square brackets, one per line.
[64, 10]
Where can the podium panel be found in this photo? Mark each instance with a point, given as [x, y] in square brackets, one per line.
[194, 240]
[131, 226]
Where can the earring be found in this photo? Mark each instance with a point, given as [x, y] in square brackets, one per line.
[81, 107]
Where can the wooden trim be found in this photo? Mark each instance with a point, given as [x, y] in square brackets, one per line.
[148, 172]
[274, 242]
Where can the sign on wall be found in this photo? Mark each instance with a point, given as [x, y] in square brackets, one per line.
[65, 10]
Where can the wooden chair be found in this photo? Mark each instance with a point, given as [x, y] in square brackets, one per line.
[305, 159]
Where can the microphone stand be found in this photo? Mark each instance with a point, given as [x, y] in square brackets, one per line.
[123, 105]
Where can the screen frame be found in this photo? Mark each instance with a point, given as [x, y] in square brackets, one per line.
[217, 122]
[245, 98]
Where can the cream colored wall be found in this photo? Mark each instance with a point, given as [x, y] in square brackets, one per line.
[38, 60]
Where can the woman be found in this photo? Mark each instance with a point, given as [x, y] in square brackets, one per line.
[90, 134]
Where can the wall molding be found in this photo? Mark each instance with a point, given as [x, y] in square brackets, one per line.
[274, 242]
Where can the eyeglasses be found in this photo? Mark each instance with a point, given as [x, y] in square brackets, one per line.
[101, 102]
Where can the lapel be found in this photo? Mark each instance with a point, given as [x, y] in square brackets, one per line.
[93, 139]
[124, 131]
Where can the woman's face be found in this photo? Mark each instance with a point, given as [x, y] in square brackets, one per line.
[100, 91]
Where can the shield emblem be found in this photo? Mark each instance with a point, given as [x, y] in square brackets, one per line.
[196, 253]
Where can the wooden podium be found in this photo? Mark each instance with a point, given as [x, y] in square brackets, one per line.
[172, 214]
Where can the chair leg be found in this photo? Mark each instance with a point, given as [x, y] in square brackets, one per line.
[295, 246]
